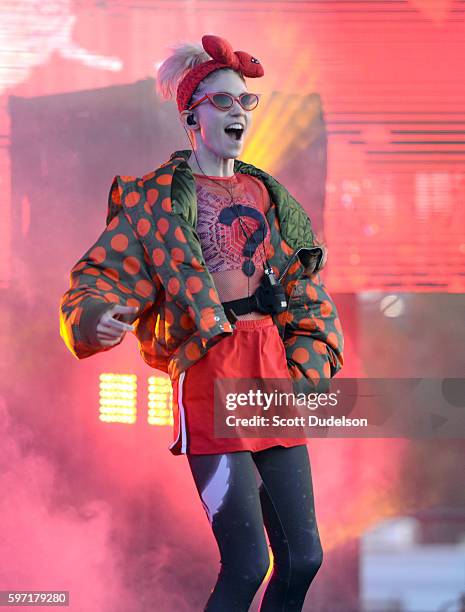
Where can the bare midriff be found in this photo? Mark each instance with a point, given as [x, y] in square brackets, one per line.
[226, 284]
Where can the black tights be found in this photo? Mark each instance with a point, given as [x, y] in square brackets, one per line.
[238, 511]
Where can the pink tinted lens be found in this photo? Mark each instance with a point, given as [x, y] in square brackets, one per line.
[222, 100]
[249, 101]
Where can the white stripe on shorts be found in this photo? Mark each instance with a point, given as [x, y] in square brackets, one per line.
[182, 417]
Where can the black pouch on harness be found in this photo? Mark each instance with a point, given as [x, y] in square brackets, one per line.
[269, 298]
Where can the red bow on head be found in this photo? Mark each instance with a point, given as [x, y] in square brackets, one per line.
[221, 51]
[223, 57]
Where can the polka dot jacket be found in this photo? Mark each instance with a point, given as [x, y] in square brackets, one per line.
[149, 256]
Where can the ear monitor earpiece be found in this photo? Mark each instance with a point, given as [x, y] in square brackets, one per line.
[191, 120]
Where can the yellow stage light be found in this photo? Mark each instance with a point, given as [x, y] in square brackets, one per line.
[118, 398]
[159, 401]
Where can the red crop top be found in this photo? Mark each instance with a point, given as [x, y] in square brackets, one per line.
[218, 225]
[221, 236]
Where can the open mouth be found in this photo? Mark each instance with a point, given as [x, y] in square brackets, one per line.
[234, 133]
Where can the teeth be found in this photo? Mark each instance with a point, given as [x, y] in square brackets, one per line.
[235, 125]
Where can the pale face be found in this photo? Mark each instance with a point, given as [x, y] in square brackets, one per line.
[210, 135]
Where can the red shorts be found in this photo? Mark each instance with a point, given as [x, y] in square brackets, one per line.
[253, 350]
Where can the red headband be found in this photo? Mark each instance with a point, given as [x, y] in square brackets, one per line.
[223, 57]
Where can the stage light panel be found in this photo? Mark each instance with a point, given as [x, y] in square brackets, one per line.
[118, 398]
[159, 401]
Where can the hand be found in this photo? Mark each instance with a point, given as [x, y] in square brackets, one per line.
[110, 330]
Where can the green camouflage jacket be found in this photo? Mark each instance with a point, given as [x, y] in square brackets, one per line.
[149, 255]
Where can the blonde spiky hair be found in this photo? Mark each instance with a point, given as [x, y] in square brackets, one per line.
[172, 70]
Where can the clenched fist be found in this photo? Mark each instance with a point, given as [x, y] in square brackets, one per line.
[111, 327]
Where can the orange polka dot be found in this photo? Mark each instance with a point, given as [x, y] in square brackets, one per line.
[119, 242]
[186, 322]
[294, 267]
[311, 291]
[191, 312]
[208, 318]
[286, 248]
[307, 324]
[163, 225]
[113, 223]
[332, 339]
[143, 226]
[144, 288]
[77, 314]
[92, 271]
[300, 355]
[133, 302]
[79, 266]
[115, 196]
[196, 264]
[325, 308]
[164, 179]
[313, 374]
[169, 316]
[132, 198]
[98, 254]
[292, 340]
[158, 256]
[111, 297]
[173, 286]
[319, 347]
[179, 234]
[188, 295]
[152, 195]
[194, 284]
[290, 287]
[269, 250]
[82, 293]
[166, 204]
[123, 288]
[147, 208]
[174, 266]
[213, 294]
[158, 236]
[131, 265]
[177, 254]
[126, 178]
[337, 325]
[112, 273]
[103, 285]
[327, 370]
[192, 351]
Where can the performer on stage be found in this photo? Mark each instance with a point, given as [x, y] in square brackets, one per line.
[214, 266]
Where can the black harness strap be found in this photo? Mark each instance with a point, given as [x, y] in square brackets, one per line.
[240, 307]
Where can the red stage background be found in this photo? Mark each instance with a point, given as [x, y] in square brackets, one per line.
[362, 118]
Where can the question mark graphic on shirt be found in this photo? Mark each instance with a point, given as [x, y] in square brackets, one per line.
[228, 215]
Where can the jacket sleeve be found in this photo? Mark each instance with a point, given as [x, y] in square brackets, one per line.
[313, 336]
[112, 271]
